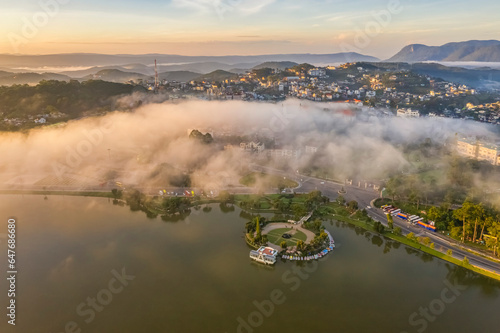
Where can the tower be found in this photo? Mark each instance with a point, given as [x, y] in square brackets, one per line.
[156, 78]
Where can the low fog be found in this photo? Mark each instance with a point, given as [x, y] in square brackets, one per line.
[149, 147]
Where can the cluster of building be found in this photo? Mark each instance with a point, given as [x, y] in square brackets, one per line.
[37, 119]
[488, 112]
[399, 91]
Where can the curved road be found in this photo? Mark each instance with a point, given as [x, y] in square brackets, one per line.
[363, 195]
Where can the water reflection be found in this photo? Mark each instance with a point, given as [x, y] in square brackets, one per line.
[197, 277]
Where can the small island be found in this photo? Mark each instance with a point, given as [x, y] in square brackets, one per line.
[290, 240]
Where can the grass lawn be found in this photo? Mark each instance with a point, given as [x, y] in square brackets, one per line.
[438, 175]
[274, 236]
[256, 178]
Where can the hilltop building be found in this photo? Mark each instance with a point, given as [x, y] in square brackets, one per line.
[408, 113]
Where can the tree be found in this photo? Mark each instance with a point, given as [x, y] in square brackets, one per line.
[465, 262]
[116, 193]
[398, 231]
[437, 215]
[379, 227]
[341, 200]
[392, 187]
[478, 214]
[411, 236]
[463, 214]
[449, 252]
[299, 211]
[390, 221]
[257, 228]
[300, 245]
[432, 246]
[263, 239]
[487, 222]
[426, 241]
[203, 138]
[225, 197]
[415, 197]
[283, 245]
[352, 205]
[492, 238]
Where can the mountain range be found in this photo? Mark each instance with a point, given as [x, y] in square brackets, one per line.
[474, 50]
[31, 69]
[165, 60]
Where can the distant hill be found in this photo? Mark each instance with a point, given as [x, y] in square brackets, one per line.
[181, 76]
[202, 67]
[166, 62]
[474, 50]
[239, 70]
[115, 75]
[218, 75]
[276, 65]
[70, 98]
[8, 79]
[133, 68]
[478, 78]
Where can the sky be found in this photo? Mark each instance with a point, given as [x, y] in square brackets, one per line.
[240, 27]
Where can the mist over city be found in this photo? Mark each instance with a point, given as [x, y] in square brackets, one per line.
[338, 140]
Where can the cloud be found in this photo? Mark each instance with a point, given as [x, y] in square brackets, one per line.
[222, 7]
[150, 147]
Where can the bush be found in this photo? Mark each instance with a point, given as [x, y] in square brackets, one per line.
[465, 261]
[398, 231]
[379, 227]
[411, 236]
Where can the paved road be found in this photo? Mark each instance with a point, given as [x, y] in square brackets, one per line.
[364, 195]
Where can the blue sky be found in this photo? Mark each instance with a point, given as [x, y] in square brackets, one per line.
[217, 27]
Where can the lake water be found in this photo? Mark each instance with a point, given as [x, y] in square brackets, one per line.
[147, 275]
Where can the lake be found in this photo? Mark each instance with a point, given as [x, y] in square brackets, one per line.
[86, 265]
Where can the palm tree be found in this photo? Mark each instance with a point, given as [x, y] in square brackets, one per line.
[478, 213]
[257, 227]
[464, 213]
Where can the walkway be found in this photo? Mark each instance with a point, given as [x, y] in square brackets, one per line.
[305, 218]
[271, 226]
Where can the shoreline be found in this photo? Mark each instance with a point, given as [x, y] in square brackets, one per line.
[421, 247]
[401, 239]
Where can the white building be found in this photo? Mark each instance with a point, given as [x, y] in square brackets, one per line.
[408, 113]
[253, 147]
[317, 72]
[311, 149]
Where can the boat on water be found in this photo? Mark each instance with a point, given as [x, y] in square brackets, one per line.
[265, 255]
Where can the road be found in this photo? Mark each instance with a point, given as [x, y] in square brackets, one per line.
[364, 195]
